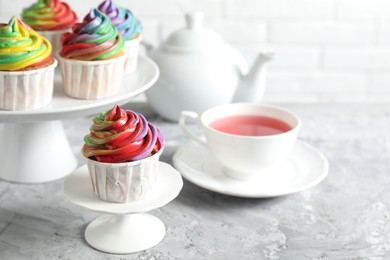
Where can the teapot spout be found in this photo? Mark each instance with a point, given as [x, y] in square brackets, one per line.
[252, 85]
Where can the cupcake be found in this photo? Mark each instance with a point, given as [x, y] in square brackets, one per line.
[122, 151]
[51, 18]
[26, 67]
[92, 58]
[129, 27]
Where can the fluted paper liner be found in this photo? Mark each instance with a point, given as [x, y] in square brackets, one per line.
[123, 182]
[26, 90]
[131, 52]
[91, 79]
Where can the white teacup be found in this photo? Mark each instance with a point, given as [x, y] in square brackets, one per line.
[249, 150]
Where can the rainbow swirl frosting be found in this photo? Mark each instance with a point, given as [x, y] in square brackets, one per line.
[22, 48]
[96, 38]
[49, 15]
[121, 136]
[124, 20]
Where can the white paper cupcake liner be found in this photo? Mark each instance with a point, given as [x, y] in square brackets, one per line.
[27, 90]
[55, 38]
[91, 79]
[131, 52]
[123, 182]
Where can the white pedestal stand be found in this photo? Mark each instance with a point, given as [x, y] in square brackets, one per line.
[127, 229]
[35, 152]
[33, 144]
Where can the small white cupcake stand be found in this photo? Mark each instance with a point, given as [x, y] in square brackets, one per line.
[33, 144]
[128, 229]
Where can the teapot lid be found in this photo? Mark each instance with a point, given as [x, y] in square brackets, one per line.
[194, 37]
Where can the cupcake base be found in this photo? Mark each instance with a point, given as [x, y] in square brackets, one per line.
[131, 52]
[91, 79]
[123, 182]
[27, 90]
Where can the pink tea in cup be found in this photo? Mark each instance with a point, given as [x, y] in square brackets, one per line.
[250, 125]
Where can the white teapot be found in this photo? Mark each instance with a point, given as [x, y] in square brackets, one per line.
[198, 70]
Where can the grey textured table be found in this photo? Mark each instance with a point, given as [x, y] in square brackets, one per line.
[345, 217]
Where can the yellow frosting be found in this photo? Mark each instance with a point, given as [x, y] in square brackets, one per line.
[21, 46]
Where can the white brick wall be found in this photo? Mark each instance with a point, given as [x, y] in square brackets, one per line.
[363, 9]
[321, 32]
[316, 86]
[328, 50]
[362, 59]
[279, 8]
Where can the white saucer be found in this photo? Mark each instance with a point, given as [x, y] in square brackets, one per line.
[78, 188]
[304, 169]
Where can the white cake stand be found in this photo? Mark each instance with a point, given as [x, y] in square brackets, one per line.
[33, 144]
[129, 230]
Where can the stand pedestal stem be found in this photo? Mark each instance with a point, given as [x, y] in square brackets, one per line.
[35, 152]
[124, 234]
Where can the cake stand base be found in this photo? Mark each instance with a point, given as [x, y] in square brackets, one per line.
[123, 234]
[126, 229]
[35, 152]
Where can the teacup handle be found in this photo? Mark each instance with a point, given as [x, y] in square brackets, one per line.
[182, 123]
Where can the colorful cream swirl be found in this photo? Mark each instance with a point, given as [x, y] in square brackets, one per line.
[124, 20]
[22, 48]
[121, 136]
[96, 38]
[49, 15]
